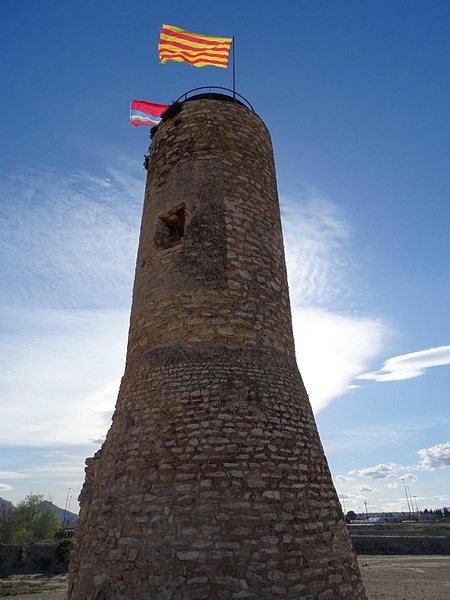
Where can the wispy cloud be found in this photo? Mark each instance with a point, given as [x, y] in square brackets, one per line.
[8, 475]
[318, 256]
[4, 487]
[316, 238]
[69, 249]
[380, 434]
[436, 457]
[441, 500]
[50, 470]
[68, 246]
[407, 366]
[68, 242]
[73, 362]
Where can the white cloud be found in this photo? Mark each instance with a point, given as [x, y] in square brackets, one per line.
[436, 457]
[365, 488]
[355, 500]
[409, 477]
[441, 499]
[381, 471]
[316, 238]
[72, 361]
[341, 344]
[4, 487]
[49, 471]
[407, 366]
[68, 241]
[66, 295]
[399, 476]
[12, 475]
[68, 245]
[343, 478]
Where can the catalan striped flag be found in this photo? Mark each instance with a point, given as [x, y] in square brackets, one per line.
[194, 48]
[146, 113]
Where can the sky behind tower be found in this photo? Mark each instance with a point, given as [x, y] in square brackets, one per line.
[355, 95]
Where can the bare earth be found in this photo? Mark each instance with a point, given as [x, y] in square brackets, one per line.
[406, 577]
[385, 578]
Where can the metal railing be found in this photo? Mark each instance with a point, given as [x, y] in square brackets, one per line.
[231, 95]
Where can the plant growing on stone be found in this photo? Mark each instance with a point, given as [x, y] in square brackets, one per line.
[63, 550]
[172, 111]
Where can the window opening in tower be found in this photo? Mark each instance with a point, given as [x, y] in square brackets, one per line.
[170, 227]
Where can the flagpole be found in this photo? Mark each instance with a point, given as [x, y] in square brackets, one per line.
[234, 72]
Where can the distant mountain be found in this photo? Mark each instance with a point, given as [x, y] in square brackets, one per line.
[6, 503]
[68, 517]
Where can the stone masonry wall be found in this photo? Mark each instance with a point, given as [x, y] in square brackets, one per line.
[226, 281]
[212, 482]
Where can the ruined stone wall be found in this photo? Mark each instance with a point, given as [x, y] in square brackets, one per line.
[212, 482]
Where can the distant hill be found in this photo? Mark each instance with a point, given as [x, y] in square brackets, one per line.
[69, 517]
[6, 503]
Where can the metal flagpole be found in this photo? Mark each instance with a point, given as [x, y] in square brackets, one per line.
[234, 72]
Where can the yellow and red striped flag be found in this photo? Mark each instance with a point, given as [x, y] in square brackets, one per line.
[194, 48]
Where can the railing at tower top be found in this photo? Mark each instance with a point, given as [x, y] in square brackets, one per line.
[210, 95]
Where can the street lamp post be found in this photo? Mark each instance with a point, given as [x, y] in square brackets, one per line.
[410, 497]
[407, 499]
[65, 508]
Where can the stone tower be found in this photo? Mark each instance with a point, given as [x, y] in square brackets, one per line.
[212, 482]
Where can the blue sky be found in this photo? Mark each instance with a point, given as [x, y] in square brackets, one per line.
[355, 95]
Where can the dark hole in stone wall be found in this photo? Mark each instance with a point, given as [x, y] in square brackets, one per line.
[170, 227]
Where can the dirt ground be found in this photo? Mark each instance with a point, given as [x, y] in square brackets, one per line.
[406, 577]
[385, 578]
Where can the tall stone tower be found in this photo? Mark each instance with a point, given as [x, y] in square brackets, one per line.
[212, 482]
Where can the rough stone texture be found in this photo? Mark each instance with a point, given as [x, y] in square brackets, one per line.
[212, 482]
